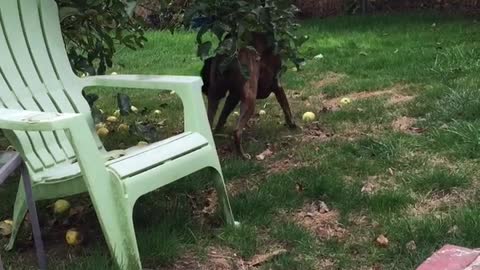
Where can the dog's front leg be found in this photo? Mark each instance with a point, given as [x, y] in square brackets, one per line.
[248, 96]
[247, 108]
[283, 101]
[212, 109]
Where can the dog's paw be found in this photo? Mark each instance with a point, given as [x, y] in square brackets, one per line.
[292, 125]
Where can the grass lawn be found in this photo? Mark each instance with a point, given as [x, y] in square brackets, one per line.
[400, 161]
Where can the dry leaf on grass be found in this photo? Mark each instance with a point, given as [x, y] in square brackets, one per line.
[265, 154]
[382, 241]
[453, 230]
[369, 188]
[260, 259]
[299, 187]
[412, 246]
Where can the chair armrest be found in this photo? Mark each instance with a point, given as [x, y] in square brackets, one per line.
[36, 121]
[177, 83]
[89, 158]
[188, 88]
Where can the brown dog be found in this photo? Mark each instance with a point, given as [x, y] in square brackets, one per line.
[264, 68]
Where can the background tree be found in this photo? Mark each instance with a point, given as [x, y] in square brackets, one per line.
[94, 29]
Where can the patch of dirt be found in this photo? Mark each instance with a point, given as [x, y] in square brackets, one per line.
[406, 125]
[435, 203]
[352, 131]
[204, 204]
[217, 258]
[284, 165]
[329, 79]
[315, 133]
[326, 264]
[321, 221]
[374, 183]
[222, 258]
[397, 97]
[335, 105]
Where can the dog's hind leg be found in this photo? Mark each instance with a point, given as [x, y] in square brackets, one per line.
[230, 104]
[282, 99]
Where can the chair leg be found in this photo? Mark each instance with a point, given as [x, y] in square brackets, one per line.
[19, 212]
[119, 231]
[223, 198]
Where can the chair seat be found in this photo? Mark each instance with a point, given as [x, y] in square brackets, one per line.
[138, 160]
[134, 160]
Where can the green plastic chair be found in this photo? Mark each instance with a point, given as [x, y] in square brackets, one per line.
[45, 117]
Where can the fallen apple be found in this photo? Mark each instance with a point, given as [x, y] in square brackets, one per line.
[308, 117]
[142, 143]
[100, 125]
[345, 101]
[123, 128]
[73, 237]
[112, 119]
[6, 227]
[61, 206]
[103, 132]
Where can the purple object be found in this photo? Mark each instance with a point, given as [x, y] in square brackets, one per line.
[11, 161]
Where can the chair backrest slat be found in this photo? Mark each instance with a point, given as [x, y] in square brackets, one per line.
[34, 35]
[7, 97]
[54, 42]
[40, 55]
[35, 74]
[23, 76]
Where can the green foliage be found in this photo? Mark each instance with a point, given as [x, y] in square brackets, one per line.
[233, 24]
[163, 14]
[93, 29]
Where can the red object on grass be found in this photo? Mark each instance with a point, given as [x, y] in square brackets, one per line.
[451, 257]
